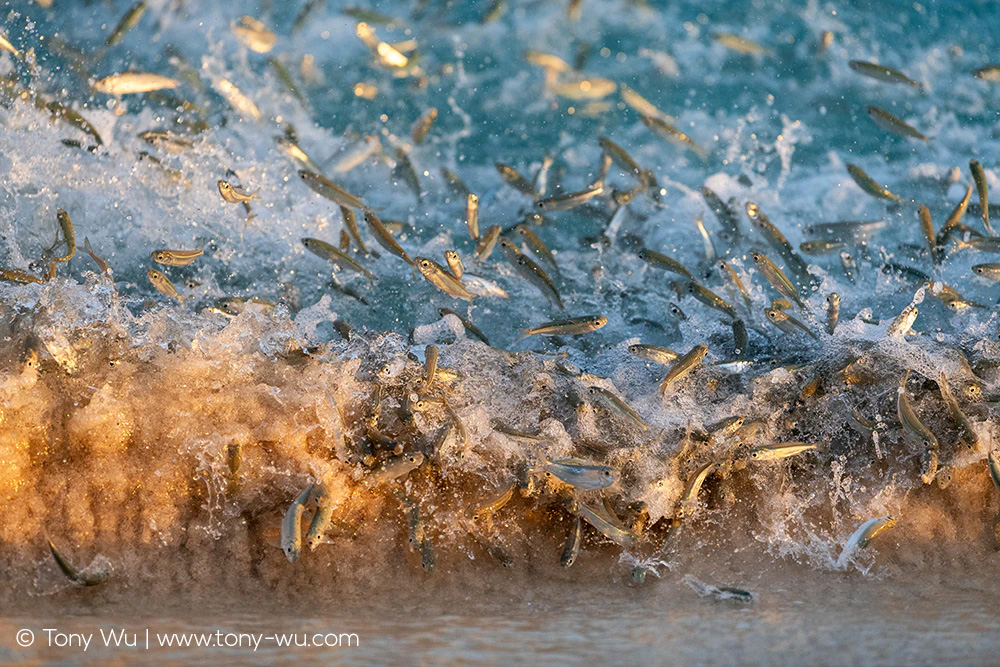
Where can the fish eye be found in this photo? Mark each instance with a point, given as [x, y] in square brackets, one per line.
[754, 454]
[597, 321]
[978, 269]
[754, 256]
[771, 315]
[425, 263]
[607, 473]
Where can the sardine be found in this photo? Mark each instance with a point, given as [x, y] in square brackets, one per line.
[127, 22]
[75, 575]
[882, 73]
[163, 285]
[455, 265]
[787, 323]
[983, 189]
[488, 241]
[969, 434]
[616, 404]
[291, 528]
[321, 520]
[779, 450]
[832, 312]
[571, 327]
[869, 184]
[128, 83]
[777, 278]
[531, 272]
[662, 261]
[861, 537]
[438, 276]
[582, 475]
[472, 216]
[667, 131]
[573, 541]
[513, 178]
[683, 366]
[894, 124]
[469, 326]
[570, 200]
[333, 254]
[423, 125]
[384, 237]
[741, 45]
[175, 257]
[324, 187]
[233, 194]
[710, 298]
[913, 429]
[654, 353]
[397, 466]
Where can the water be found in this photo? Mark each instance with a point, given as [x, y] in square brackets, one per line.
[162, 442]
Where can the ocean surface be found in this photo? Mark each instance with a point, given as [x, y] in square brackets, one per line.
[256, 442]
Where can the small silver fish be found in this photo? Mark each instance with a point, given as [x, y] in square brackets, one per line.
[581, 474]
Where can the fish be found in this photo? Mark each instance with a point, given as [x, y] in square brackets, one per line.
[694, 483]
[832, 312]
[455, 183]
[882, 73]
[233, 194]
[821, 247]
[989, 271]
[592, 88]
[845, 230]
[74, 575]
[175, 257]
[902, 323]
[6, 45]
[777, 278]
[861, 537]
[662, 261]
[969, 434]
[570, 200]
[665, 130]
[531, 272]
[423, 125]
[351, 223]
[654, 353]
[487, 242]
[288, 81]
[572, 327]
[237, 99]
[385, 239]
[163, 285]
[726, 215]
[438, 276]
[894, 124]
[780, 450]
[321, 520]
[547, 61]
[955, 217]
[291, 529]
[710, 298]
[982, 244]
[493, 503]
[641, 104]
[616, 404]
[573, 541]
[324, 187]
[870, 185]
[397, 466]
[987, 73]
[983, 190]
[130, 83]
[333, 254]
[623, 537]
[620, 157]
[580, 474]
[927, 225]
[993, 461]
[537, 246]
[454, 262]
[127, 22]
[729, 272]
[514, 178]
[787, 323]
[469, 326]
[741, 45]
[913, 428]
[683, 366]
[68, 236]
[778, 241]
[101, 264]
[472, 215]
[254, 35]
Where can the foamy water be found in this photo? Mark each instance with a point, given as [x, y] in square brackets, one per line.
[162, 442]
